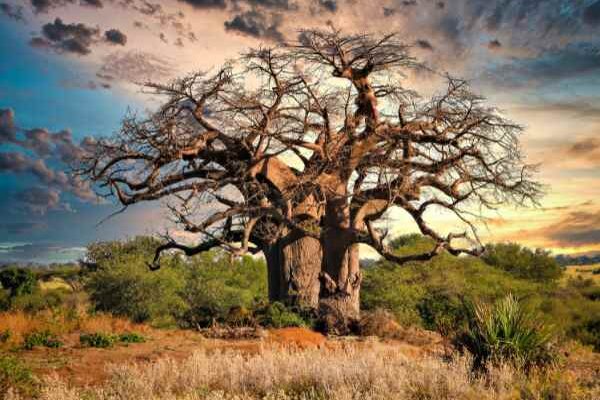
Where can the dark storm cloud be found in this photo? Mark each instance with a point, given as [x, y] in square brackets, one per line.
[494, 44]
[256, 24]
[115, 36]
[12, 11]
[572, 61]
[73, 38]
[275, 4]
[580, 108]
[8, 130]
[205, 3]
[591, 15]
[585, 147]
[39, 200]
[92, 3]
[330, 5]
[578, 228]
[42, 145]
[424, 44]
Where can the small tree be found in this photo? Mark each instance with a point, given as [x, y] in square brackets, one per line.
[18, 281]
[297, 151]
[525, 263]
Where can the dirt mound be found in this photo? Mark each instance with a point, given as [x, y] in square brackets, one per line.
[296, 337]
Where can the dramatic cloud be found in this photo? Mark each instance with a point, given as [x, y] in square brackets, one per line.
[591, 15]
[424, 44]
[494, 44]
[579, 228]
[57, 148]
[39, 200]
[69, 38]
[256, 24]
[8, 130]
[135, 67]
[12, 11]
[330, 5]
[572, 61]
[115, 36]
[205, 3]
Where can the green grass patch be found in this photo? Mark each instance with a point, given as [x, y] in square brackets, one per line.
[41, 339]
[17, 376]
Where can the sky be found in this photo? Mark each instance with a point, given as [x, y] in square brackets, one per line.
[71, 69]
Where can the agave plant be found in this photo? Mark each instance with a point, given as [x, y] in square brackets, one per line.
[507, 332]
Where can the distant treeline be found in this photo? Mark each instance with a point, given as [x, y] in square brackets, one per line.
[565, 260]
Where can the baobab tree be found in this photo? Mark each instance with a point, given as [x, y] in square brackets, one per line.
[298, 151]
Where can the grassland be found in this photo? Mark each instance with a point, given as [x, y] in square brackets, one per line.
[584, 271]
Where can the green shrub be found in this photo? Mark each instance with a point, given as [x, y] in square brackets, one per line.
[14, 374]
[522, 262]
[5, 335]
[38, 300]
[123, 285]
[131, 337]
[98, 339]
[18, 281]
[277, 315]
[506, 332]
[218, 290]
[41, 338]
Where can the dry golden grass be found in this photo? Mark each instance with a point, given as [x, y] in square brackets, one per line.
[583, 271]
[377, 373]
[19, 324]
[109, 324]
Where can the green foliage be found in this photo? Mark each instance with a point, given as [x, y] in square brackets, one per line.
[104, 340]
[98, 339]
[18, 281]
[5, 335]
[131, 337]
[506, 332]
[523, 262]
[41, 338]
[277, 315]
[123, 285]
[431, 294]
[14, 374]
[39, 300]
[216, 288]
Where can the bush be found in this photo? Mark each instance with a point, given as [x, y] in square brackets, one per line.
[104, 340]
[123, 285]
[522, 262]
[506, 332]
[99, 339]
[17, 281]
[5, 335]
[218, 290]
[41, 338]
[277, 315]
[131, 337]
[14, 374]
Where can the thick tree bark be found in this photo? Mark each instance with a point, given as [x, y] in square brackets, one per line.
[339, 299]
[293, 266]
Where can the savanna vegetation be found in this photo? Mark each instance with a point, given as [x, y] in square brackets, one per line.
[513, 315]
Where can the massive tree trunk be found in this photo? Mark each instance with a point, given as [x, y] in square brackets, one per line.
[293, 266]
[339, 299]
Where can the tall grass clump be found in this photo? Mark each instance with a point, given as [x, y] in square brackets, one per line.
[506, 332]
